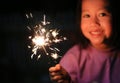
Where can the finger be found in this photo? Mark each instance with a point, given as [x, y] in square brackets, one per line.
[56, 78]
[60, 81]
[55, 74]
[52, 69]
[56, 68]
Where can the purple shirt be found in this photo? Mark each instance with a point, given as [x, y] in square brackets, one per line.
[91, 65]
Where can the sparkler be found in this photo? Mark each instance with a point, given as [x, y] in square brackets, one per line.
[44, 38]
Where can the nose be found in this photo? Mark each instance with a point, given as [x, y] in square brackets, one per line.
[94, 21]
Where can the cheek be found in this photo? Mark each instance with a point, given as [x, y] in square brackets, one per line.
[83, 25]
[108, 30]
[106, 25]
[84, 30]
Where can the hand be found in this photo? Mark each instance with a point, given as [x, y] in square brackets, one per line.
[58, 74]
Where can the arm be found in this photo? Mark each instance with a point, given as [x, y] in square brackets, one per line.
[67, 70]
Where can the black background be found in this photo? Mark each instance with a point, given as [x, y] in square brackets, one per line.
[16, 66]
[40, 5]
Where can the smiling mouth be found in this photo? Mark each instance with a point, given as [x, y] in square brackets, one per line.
[96, 33]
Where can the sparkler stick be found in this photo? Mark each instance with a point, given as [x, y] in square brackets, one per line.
[44, 38]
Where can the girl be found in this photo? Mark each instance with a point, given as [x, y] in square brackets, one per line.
[96, 59]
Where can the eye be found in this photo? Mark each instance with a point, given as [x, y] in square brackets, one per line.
[86, 15]
[102, 14]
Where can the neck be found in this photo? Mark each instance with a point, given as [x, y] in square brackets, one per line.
[102, 47]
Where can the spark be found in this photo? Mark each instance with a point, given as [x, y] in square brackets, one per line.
[44, 20]
[44, 38]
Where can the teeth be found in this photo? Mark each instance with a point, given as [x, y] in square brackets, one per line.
[96, 32]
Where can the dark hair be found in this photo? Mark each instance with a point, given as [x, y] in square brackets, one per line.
[114, 40]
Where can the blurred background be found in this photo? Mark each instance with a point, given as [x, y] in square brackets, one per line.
[16, 65]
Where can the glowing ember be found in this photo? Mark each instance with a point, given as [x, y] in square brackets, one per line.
[44, 37]
[39, 41]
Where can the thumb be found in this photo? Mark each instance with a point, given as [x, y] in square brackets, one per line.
[58, 67]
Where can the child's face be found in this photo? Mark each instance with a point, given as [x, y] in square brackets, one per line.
[96, 22]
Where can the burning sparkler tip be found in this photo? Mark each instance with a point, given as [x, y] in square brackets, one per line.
[44, 38]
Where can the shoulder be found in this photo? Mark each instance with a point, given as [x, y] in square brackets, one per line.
[74, 49]
[69, 61]
[72, 54]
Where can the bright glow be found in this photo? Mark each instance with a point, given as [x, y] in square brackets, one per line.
[44, 37]
[38, 40]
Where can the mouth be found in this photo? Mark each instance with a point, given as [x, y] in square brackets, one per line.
[96, 33]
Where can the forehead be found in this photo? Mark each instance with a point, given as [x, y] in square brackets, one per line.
[94, 4]
[96, 0]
